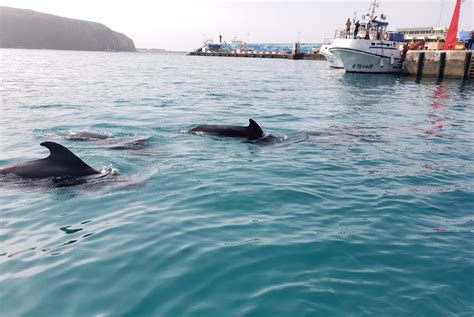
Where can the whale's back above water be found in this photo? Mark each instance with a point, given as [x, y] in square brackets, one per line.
[251, 132]
[60, 162]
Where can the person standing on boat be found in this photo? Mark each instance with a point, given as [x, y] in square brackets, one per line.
[356, 28]
[348, 28]
[367, 31]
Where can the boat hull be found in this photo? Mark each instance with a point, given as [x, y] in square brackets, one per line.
[366, 56]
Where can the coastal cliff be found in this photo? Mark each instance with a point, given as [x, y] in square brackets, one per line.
[21, 28]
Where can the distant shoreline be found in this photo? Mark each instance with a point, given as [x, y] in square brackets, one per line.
[139, 50]
[53, 49]
[159, 51]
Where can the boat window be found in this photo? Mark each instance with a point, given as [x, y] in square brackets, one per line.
[372, 44]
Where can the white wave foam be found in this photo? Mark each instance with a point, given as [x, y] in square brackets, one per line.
[110, 170]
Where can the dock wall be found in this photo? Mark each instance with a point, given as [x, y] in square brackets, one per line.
[440, 64]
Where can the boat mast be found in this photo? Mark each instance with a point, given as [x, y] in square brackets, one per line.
[371, 10]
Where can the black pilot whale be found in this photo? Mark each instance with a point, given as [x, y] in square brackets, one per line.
[60, 163]
[251, 132]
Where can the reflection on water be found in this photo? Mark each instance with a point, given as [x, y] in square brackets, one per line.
[369, 81]
[440, 97]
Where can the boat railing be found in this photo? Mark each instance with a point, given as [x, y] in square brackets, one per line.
[351, 34]
[369, 34]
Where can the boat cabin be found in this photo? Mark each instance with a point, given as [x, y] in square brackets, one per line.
[374, 30]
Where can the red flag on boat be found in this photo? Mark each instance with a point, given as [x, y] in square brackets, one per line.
[450, 43]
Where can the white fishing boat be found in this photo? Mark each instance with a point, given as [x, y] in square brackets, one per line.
[370, 49]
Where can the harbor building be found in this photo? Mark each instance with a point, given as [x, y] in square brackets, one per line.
[428, 34]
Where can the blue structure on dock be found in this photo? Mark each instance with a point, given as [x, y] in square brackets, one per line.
[279, 48]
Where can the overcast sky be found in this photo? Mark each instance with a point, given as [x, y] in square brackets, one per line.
[182, 24]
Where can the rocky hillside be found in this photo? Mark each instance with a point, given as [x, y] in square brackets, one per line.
[21, 28]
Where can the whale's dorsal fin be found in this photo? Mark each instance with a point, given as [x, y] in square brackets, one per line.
[62, 155]
[255, 127]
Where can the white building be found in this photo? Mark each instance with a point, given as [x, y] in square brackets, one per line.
[428, 34]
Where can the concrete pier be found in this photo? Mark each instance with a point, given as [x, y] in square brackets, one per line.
[262, 55]
[440, 64]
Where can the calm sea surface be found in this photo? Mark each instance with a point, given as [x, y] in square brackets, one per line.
[363, 204]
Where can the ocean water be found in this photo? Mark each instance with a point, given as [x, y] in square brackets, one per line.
[362, 204]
